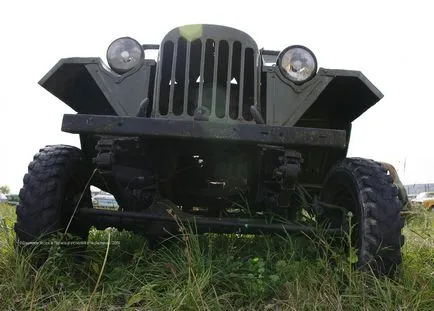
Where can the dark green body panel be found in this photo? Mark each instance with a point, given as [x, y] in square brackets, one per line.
[334, 97]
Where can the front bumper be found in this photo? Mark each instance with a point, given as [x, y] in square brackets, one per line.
[203, 130]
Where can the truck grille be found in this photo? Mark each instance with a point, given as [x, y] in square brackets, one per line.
[206, 79]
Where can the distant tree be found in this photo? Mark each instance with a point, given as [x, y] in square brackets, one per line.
[5, 189]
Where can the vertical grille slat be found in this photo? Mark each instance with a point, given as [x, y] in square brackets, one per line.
[173, 78]
[221, 101]
[214, 78]
[234, 111]
[195, 60]
[179, 77]
[186, 77]
[256, 83]
[228, 80]
[201, 77]
[241, 83]
[166, 68]
[248, 86]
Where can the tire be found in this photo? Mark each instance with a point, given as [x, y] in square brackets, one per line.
[364, 188]
[52, 188]
[402, 193]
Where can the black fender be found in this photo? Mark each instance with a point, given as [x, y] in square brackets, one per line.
[332, 99]
[88, 86]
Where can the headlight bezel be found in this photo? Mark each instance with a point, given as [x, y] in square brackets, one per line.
[285, 73]
[114, 62]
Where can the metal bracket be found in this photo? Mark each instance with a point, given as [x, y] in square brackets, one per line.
[286, 175]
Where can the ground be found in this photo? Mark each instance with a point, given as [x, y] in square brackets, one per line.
[213, 272]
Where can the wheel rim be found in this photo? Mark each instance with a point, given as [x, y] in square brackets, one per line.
[75, 197]
[340, 193]
[344, 200]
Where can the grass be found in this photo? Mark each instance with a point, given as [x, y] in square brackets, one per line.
[213, 272]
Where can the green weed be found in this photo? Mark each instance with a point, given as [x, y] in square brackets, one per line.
[213, 272]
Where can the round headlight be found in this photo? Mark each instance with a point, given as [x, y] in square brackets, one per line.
[297, 63]
[124, 54]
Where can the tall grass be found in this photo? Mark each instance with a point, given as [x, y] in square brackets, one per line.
[213, 272]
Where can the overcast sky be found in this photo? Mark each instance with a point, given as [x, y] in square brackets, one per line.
[391, 42]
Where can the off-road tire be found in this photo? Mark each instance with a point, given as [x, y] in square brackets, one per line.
[373, 200]
[54, 184]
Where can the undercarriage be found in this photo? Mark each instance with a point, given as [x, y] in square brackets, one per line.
[246, 177]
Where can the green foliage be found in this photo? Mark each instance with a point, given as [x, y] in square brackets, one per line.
[213, 272]
[5, 189]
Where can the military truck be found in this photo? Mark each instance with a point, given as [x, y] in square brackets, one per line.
[216, 132]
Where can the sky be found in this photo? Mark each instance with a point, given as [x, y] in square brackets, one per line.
[390, 42]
